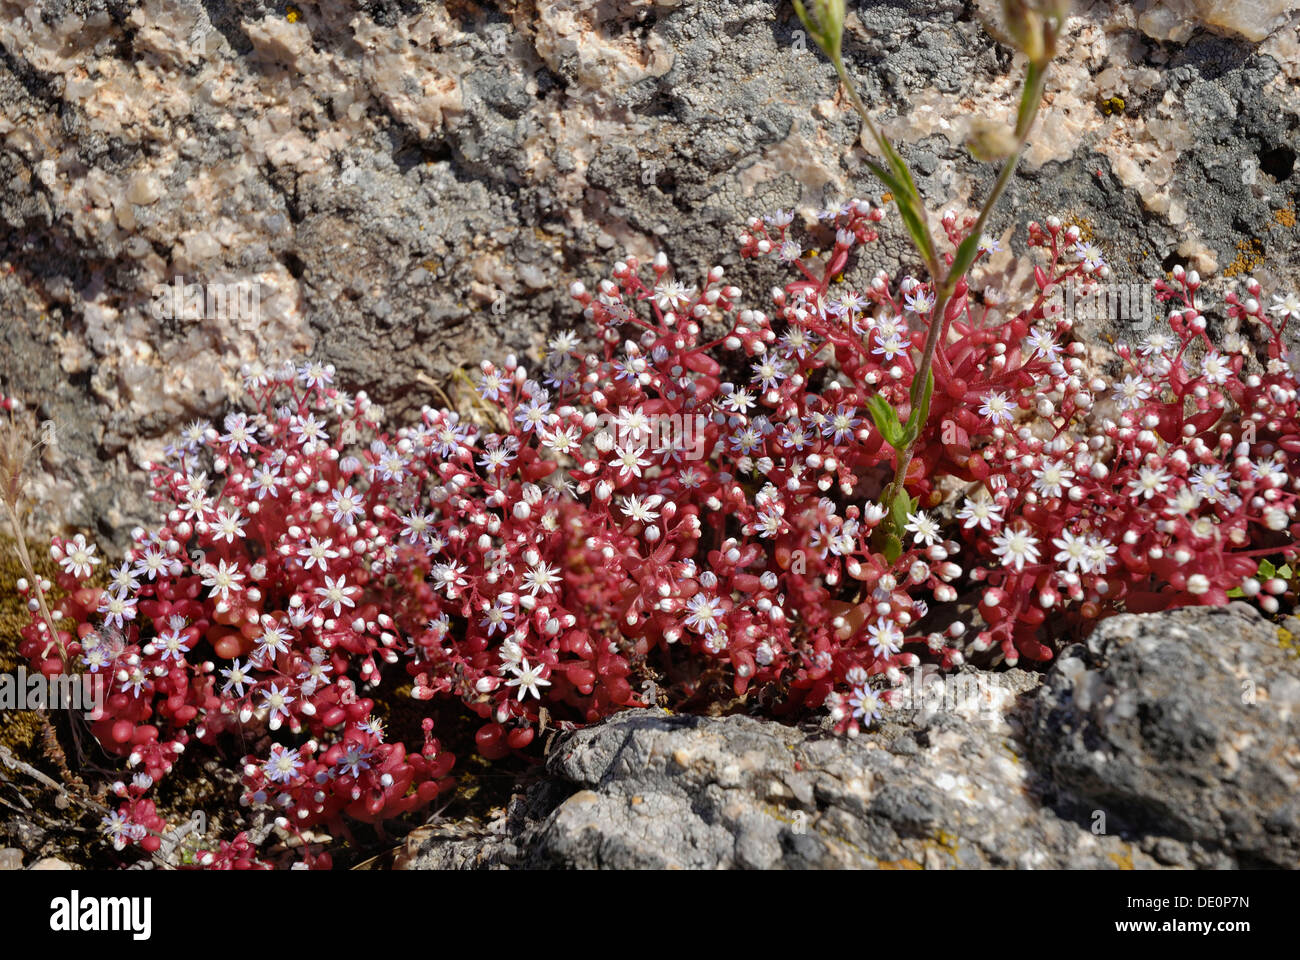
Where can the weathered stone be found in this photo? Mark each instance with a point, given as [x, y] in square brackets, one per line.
[1134, 752]
[1184, 725]
[414, 185]
[1176, 19]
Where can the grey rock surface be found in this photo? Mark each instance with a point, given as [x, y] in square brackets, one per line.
[1187, 725]
[1135, 752]
[412, 186]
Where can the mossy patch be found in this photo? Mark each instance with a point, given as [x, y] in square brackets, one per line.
[20, 730]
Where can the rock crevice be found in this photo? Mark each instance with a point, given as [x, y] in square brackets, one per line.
[1169, 740]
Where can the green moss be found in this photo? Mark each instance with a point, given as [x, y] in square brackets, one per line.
[20, 730]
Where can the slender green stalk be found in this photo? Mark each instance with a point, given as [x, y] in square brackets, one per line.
[932, 263]
[1035, 27]
[946, 279]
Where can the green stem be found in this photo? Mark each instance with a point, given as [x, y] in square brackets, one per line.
[883, 145]
[1031, 99]
[923, 372]
[945, 281]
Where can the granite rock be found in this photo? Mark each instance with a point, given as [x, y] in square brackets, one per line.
[411, 186]
[1186, 725]
[1136, 751]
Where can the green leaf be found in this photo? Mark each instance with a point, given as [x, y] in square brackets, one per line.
[900, 169]
[902, 507]
[916, 228]
[892, 548]
[914, 216]
[905, 196]
[1030, 97]
[886, 420]
[1235, 592]
[1266, 570]
[887, 538]
[899, 510]
[966, 254]
[890, 181]
[1284, 571]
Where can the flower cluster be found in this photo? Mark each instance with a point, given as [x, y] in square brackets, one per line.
[137, 820]
[247, 617]
[682, 507]
[1163, 487]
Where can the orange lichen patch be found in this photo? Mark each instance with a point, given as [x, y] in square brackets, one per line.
[1286, 216]
[1250, 255]
[1086, 229]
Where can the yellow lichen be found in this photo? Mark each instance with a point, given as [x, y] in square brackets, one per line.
[1250, 255]
[947, 842]
[292, 14]
[1286, 216]
[1112, 106]
[1287, 641]
[1084, 226]
[778, 813]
